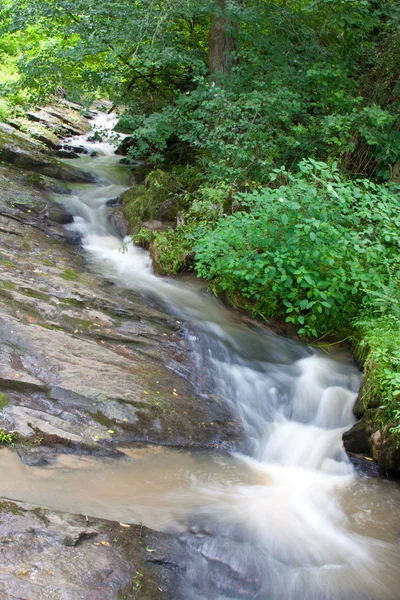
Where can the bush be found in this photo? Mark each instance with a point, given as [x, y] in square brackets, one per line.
[311, 249]
[5, 110]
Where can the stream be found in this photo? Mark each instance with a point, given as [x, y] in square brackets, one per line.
[305, 524]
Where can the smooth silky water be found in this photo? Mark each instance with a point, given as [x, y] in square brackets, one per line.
[310, 528]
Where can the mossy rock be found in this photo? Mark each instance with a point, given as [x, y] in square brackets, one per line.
[385, 447]
[367, 397]
[4, 401]
[358, 439]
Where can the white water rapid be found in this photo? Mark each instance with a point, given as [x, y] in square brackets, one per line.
[289, 514]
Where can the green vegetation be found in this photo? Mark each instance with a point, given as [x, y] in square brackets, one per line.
[4, 401]
[69, 275]
[310, 250]
[7, 437]
[271, 137]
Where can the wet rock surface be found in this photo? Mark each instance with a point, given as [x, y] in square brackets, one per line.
[368, 440]
[26, 153]
[85, 367]
[80, 357]
[46, 554]
[50, 554]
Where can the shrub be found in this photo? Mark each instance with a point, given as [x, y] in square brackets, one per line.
[5, 110]
[311, 249]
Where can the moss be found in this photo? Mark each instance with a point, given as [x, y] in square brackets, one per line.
[4, 401]
[34, 179]
[100, 418]
[376, 347]
[51, 327]
[145, 585]
[38, 512]
[8, 285]
[11, 507]
[77, 323]
[69, 275]
[7, 262]
[31, 293]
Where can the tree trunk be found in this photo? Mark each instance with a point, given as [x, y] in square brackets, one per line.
[223, 36]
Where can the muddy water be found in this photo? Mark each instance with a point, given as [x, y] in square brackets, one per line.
[309, 527]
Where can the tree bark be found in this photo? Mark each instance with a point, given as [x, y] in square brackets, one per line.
[223, 37]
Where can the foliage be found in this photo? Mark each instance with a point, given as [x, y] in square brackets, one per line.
[171, 250]
[7, 437]
[5, 110]
[311, 248]
[314, 78]
[380, 337]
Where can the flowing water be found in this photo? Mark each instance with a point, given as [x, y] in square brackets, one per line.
[289, 514]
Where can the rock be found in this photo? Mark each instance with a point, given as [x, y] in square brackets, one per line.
[395, 176]
[48, 554]
[20, 150]
[367, 398]
[85, 358]
[153, 225]
[63, 119]
[386, 450]
[38, 132]
[124, 146]
[51, 141]
[41, 182]
[113, 201]
[67, 154]
[51, 554]
[119, 221]
[358, 439]
[76, 149]
[102, 105]
[170, 209]
[376, 445]
[140, 172]
[58, 213]
[365, 466]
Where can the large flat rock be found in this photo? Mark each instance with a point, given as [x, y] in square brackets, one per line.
[82, 359]
[58, 556]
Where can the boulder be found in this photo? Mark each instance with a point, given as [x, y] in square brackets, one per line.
[358, 439]
[50, 554]
[124, 145]
[48, 184]
[153, 225]
[119, 221]
[385, 449]
[85, 361]
[63, 153]
[170, 209]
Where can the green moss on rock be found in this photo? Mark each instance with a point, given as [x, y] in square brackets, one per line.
[4, 401]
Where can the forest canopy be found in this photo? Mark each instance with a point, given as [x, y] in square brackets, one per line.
[247, 84]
